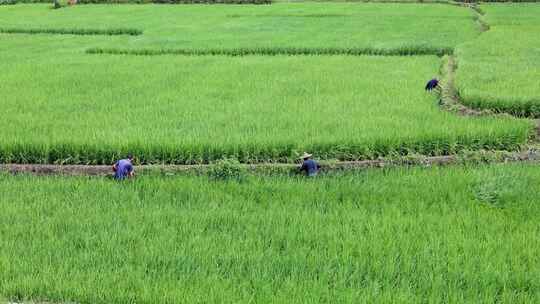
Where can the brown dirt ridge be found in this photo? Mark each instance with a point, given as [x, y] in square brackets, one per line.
[531, 154]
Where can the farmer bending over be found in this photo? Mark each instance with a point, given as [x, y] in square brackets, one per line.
[433, 84]
[123, 168]
[310, 166]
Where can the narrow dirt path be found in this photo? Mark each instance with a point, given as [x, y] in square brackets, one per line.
[449, 99]
[529, 155]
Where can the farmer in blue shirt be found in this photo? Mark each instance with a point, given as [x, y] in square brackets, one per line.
[123, 168]
[310, 166]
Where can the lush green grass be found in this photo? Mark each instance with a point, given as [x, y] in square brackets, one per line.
[293, 25]
[175, 109]
[500, 69]
[63, 105]
[449, 235]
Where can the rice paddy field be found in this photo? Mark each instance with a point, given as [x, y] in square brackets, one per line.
[340, 26]
[194, 84]
[90, 108]
[186, 110]
[500, 70]
[451, 235]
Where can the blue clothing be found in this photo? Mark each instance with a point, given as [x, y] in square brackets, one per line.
[432, 84]
[123, 168]
[311, 167]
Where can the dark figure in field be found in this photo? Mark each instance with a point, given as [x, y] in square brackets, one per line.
[432, 85]
[124, 168]
[309, 166]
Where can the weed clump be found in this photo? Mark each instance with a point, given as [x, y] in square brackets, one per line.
[227, 169]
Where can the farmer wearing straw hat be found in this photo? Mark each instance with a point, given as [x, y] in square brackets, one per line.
[309, 166]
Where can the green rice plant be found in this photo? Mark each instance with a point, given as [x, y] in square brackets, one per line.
[377, 236]
[366, 28]
[191, 110]
[503, 76]
[72, 31]
[63, 106]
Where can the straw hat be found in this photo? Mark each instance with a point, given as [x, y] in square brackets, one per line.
[306, 155]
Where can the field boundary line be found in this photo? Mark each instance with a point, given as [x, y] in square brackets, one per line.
[479, 17]
[531, 155]
[292, 51]
[449, 96]
[74, 31]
